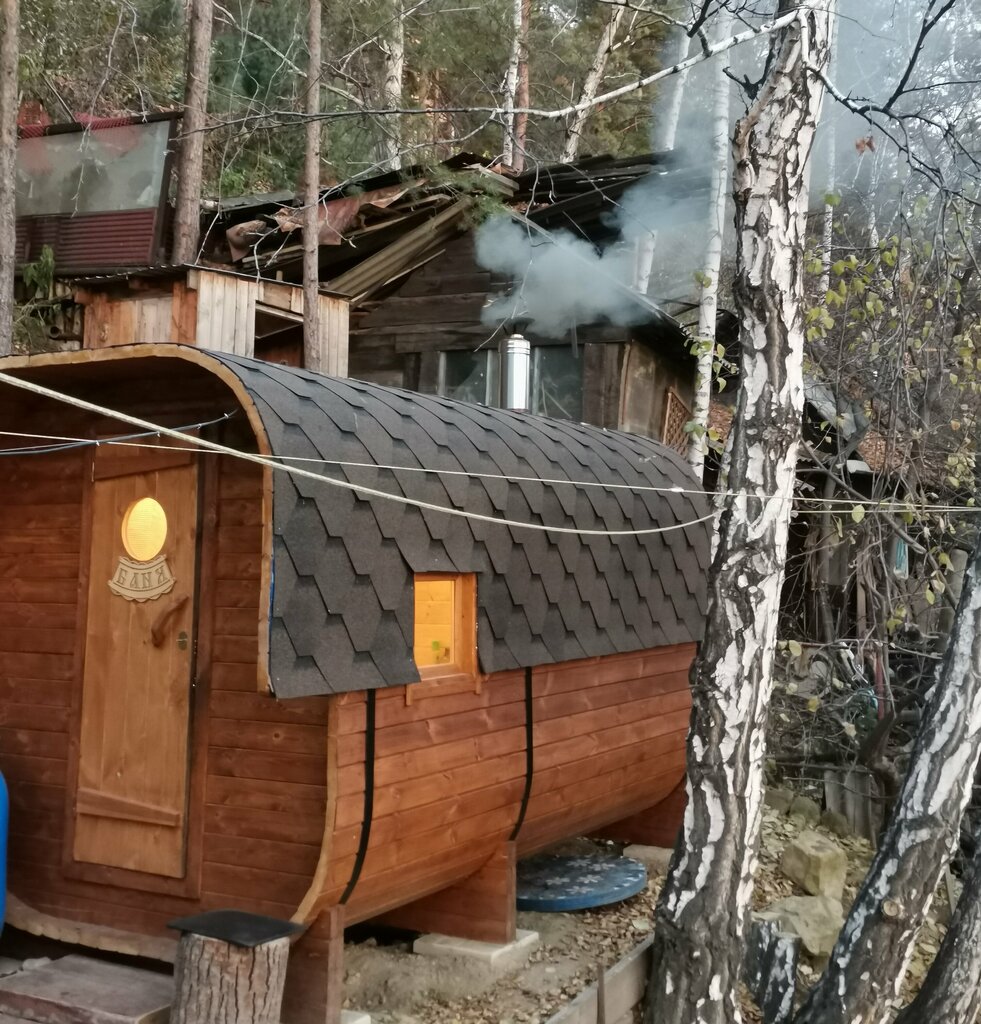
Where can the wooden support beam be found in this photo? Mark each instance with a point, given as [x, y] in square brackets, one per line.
[656, 826]
[315, 977]
[481, 907]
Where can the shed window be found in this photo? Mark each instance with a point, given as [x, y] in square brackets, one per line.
[445, 640]
[556, 379]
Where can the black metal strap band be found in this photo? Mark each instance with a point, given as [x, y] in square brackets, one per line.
[369, 794]
[529, 756]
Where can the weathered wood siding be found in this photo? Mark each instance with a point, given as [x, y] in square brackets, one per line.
[211, 310]
[609, 737]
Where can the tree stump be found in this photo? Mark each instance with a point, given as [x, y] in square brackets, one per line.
[217, 982]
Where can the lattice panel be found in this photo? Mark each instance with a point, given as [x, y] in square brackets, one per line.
[676, 415]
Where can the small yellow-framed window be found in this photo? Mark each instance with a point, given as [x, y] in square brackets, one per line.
[445, 637]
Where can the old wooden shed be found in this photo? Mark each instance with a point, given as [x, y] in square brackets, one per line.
[321, 679]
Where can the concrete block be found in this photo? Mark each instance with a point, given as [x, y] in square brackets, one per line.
[655, 858]
[498, 957]
[817, 864]
[355, 1017]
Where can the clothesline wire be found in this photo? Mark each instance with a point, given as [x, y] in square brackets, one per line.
[132, 440]
[298, 471]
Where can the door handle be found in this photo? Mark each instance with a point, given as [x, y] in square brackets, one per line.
[160, 622]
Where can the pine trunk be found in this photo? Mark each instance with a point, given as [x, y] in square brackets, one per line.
[312, 349]
[8, 169]
[216, 982]
[951, 991]
[702, 913]
[394, 52]
[708, 302]
[522, 95]
[591, 84]
[862, 981]
[190, 162]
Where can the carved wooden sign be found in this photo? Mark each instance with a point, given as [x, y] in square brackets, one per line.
[142, 581]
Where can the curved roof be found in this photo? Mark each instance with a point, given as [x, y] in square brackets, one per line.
[342, 608]
[339, 566]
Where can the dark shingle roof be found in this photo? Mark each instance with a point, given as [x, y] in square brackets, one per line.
[343, 564]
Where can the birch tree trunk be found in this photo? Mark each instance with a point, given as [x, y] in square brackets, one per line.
[951, 991]
[312, 350]
[666, 118]
[591, 83]
[9, 55]
[668, 111]
[862, 980]
[708, 301]
[190, 159]
[394, 50]
[702, 912]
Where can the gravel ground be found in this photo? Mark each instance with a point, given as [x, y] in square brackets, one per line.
[397, 987]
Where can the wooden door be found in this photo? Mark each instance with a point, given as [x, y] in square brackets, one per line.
[133, 758]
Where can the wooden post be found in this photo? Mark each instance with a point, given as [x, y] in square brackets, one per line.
[217, 982]
[481, 907]
[315, 982]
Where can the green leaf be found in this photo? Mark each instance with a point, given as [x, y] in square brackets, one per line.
[795, 648]
[831, 199]
[858, 513]
[849, 730]
[930, 596]
[813, 704]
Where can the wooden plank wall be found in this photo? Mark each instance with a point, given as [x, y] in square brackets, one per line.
[264, 787]
[118, 317]
[449, 775]
[609, 739]
[226, 312]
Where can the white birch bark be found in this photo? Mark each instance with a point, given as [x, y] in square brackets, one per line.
[666, 119]
[394, 52]
[828, 223]
[702, 913]
[591, 84]
[861, 984]
[708, 300]
[190, 159]
[9, 48]
[951, 991]
[312, 353]
[668, 111]
[511, 86]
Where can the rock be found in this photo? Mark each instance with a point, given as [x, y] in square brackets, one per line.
[817, 864]
[655, 858]
[837, 823]
[779, 799]
[816, 919]
[804, 807]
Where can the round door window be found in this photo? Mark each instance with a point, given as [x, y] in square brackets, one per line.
[144, 529]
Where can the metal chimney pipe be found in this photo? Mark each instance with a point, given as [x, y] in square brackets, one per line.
[516, 373]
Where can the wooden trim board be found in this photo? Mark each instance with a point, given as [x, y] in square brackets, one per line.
[625, 985]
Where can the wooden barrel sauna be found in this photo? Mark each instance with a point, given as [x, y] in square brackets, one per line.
[235, 683]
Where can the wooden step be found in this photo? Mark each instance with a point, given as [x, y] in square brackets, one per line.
[80, 990]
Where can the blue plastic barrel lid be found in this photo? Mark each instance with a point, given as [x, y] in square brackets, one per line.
[577, 883]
